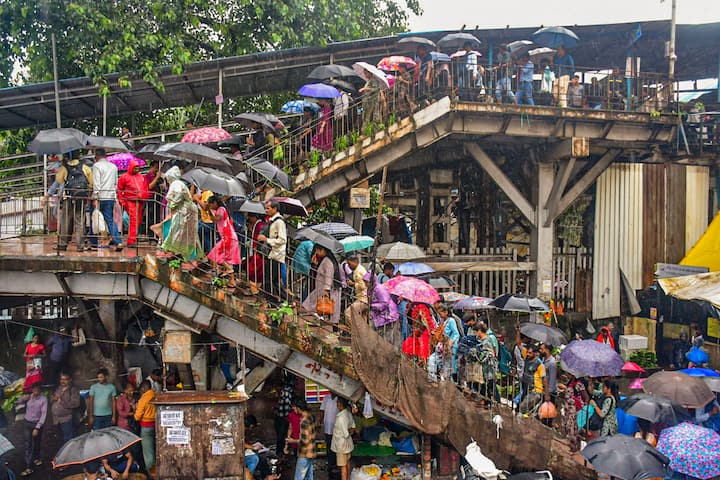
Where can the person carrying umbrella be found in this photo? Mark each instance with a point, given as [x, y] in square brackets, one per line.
[327, 283]
[323, 137]
[132, 191]
[526, 69]
[403, 89]
[276, 239]
[424, 71]
[373, 100]
[77, 181]
[564, 68]
[384, 311]
[503, 88]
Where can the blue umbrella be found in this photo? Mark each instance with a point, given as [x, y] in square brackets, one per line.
[413, 268]
[554, 37]
[297, 106]
[319, 90]
[700, 372]
[697, 356]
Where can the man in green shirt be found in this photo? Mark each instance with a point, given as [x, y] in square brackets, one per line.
[101, 406]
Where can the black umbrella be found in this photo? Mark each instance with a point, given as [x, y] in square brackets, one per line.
[7, 377]
[413, 42]
[270, 172]
[235, 140]
[216, 181]
[654, 409]
[249, 118]
[243, 178]
[193, 152]
[458, 40]
[291, 206]
[519, 302]
[247, 206]
[93, 446]
[520, 47]
[326, 72]
[625, 457]
[342, 85]
[57, 140]
[543, 333]
[320, 238]
[108, 143]
[336, 230]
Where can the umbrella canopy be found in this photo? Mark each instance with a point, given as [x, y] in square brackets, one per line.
[108, 143]
[399, 251]
[322, 239]
[216, 181]
[248, 119]
[519, 302]
[5, 445]
[362, 67]
[8, 378]
[412, 289]
[637, 384]
[233, 140]
[543, 333]
[243, 178]
[693, 450]
[690, 392]
[149, 153]
[697, 356]
[700, 372]
[270, 172]
[342, 85]
[298, 106]
[462, 53]
[474, 303]
[453, 297]
[520, 47]
[206, 135]
[326, 72]
[192, 152]
[541, 52]
[337, 230]
[591, 358]
[713, 383]
[319, 90]
[654, 409]
[458, 40]
[94, 445]
[411, 43]
[440, 57]
[357, 242]
[392, 63]
[554, 37]
[291, 206]
[625, 457]
[122, 160]
[437, 281]
[57, 140]
[632, 367]
[249, 206]
[413, 268]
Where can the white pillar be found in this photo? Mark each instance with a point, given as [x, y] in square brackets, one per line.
[541, 247]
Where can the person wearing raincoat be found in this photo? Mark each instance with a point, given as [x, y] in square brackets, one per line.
[132, 191]
[179, 231]
[384, 312]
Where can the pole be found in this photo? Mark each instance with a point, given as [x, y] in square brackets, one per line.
[220, 97]
[104, 130]
[671, 51]
[378, 232]
[55, 81]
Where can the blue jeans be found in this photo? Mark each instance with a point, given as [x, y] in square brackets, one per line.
[103, 421]
[525, 94]
[251, 462]
[67, 430]
[504, 87]
[107, 208]
[304, 469]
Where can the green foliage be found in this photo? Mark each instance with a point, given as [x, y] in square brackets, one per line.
[328, 210]
[341, 144]
[220, 282]
[279, 313]
[375, 203]
[175, 263]
[354, 137]
[369, 129]
[315, 157]
[644, 358]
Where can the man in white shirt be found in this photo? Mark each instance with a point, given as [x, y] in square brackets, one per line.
[276, 238]
[330, 411]
[105, 178]
[342, 443]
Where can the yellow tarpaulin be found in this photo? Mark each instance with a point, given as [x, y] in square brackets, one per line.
[706, 252]
[704, 286]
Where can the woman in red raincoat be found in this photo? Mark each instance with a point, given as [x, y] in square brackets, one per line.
[132, 191]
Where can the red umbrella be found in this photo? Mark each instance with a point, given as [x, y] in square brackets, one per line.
[392, 63]
[206, 135]
[632, 367]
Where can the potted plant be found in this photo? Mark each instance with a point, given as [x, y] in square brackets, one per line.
[278, 315]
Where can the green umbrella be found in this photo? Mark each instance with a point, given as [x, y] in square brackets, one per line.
[357, 242]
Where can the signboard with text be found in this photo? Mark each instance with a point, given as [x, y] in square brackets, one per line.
[670, 270]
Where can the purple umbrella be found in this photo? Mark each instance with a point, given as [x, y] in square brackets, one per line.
[591, 358]
[693, 450]
[318, 90]
[122, 160]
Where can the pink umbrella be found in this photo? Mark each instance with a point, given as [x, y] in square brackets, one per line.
[637, 384]
[462, 53]
[122, 160]
[413, 289]
[632, 367]
[206, 135]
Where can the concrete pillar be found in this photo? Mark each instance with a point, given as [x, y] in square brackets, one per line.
[541, 241]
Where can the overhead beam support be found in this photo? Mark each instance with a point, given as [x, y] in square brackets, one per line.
[502, 181]
[558, 188]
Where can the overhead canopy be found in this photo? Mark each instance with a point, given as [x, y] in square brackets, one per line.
[706, 251]
[705, 287]
[285, 70]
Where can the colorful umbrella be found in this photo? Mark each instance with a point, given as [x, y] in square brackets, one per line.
[625, 458]
[474, 303]
[453, 297]
[591, 358]
[413, 268]
[412, 289]
[357, 242]
[319, 90]
[697, 356]
[554, 37]
[632, 367]
[206, 135]
[654, 409]
[362, 67]
[693, 450]
[122, 160]
[690, 392]
[298, 106]
[700, 372]
[392, 63]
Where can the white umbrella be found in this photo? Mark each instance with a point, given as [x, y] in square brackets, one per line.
[360, 67]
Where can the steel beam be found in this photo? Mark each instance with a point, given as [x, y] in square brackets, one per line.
[558, 188]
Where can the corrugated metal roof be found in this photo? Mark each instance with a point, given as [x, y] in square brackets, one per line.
[697, 180]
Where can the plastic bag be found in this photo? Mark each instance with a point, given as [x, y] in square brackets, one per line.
[29, 335]
[367, 472]
[367, 406]
[99, 227]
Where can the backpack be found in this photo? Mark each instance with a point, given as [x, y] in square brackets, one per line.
[263, 248]
[76, 183]
[466, 343]
[504, 360]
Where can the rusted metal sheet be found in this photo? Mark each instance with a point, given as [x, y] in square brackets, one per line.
[697, 191]
[618, 236]
[177, 347]
[200, 435]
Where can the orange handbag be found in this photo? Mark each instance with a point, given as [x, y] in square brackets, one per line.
[325, 306]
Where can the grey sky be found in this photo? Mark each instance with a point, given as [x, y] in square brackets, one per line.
[452, 14]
